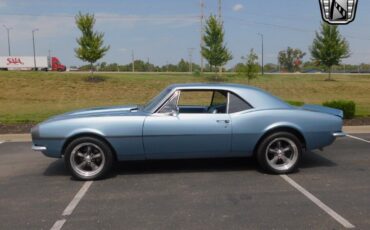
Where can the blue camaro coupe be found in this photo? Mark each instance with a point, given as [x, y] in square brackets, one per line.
[189, 121]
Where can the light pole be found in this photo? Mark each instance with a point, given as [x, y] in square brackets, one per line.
[8, 31]
[262, 50]
[34, 51]
[190, 50]
[133, 60]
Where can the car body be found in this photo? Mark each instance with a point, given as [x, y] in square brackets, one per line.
[181, 122]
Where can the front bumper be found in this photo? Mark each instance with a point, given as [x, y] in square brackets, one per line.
[339, 134]
[38, 148]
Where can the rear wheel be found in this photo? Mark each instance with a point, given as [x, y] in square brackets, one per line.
[279, 153]
[88, 158]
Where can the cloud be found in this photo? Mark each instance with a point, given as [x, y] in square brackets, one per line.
[238, 7]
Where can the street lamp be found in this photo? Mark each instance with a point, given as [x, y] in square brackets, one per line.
[34, 52]
[8, 31]
[262, 50]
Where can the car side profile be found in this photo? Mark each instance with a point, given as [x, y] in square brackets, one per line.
[189, 121]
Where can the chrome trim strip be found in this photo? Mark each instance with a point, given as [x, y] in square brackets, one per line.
[38, 148]
[339, 134]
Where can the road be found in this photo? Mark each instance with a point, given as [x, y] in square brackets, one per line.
[38, 193]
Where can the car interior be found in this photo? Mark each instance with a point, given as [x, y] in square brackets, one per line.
[197, 101]
[204, 101]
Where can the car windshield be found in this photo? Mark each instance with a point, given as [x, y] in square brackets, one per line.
[152, 103]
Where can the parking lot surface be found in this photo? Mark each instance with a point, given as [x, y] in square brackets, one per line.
[187, 194]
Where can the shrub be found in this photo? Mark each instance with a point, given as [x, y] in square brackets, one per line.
[348, 107]
[196, 73]
[295, 103]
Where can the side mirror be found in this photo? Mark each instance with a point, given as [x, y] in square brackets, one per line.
[175, 112]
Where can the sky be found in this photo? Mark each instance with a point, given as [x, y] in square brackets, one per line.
[164, 30]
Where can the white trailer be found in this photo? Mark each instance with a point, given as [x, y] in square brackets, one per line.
[24, 63]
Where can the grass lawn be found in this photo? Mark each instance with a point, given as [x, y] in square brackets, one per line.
[28, 97]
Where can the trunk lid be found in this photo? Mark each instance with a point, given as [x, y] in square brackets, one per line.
[323, 109]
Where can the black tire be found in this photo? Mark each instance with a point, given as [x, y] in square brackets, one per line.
[266, 158]
[71, 157]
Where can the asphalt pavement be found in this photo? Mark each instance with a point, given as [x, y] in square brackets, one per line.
[37, 192]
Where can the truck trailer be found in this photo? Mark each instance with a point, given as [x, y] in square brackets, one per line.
[43, 63]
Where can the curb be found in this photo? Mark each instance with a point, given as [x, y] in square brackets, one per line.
[25, 137]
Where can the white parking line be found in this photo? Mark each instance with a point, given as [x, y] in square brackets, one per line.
[72, 205]
[316, 201]
[357, 138]
[58, 224]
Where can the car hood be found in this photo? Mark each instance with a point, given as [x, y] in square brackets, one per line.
[127, 110]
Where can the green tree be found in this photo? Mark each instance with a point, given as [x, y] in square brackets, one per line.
[214, 49]
[329, 47]
[250, 68]
[90, 43]
[291, 59]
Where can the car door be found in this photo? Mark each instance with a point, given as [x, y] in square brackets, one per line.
[170, 133]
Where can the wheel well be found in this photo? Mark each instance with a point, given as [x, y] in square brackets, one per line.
[70, 139]
[282, 129]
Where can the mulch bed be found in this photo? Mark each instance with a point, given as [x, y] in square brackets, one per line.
[25, 128]
[357, 121]
[16, 128]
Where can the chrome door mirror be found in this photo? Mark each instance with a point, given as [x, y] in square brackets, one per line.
[175, 112]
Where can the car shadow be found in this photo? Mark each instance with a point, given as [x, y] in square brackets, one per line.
[185, 166]
[309, 160]
[314, 159]
[56, 168]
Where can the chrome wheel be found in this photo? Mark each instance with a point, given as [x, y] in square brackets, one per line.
[87, 159]
[281, 153]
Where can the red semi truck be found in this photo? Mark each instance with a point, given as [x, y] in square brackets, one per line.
[29, 63]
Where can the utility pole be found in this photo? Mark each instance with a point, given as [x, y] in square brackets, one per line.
[201, 35]
[133, 60]
[8, 32]
[190, 50]
[34, 50]
[262, 51]
[220, 11]
[49, 58]
[147, 63]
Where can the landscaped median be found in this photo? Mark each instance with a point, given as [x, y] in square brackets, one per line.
[27, 98]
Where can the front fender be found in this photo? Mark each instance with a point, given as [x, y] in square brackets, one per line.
[124, 133]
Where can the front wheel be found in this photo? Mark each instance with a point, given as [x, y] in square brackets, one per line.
[88, 158]
[279, 153]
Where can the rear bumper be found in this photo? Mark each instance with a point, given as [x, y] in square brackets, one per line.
[39, 148]
[339, 134]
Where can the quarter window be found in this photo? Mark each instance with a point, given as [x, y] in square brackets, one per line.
[236, 104]
[171, 104]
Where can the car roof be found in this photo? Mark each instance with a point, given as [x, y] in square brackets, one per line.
[220, 86]
[256, 97]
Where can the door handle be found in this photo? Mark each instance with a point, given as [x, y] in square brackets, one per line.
[223, 121]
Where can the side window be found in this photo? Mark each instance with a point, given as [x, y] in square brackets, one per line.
[171, 104]
[195, 98]
[202, 101]
[236, 104]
